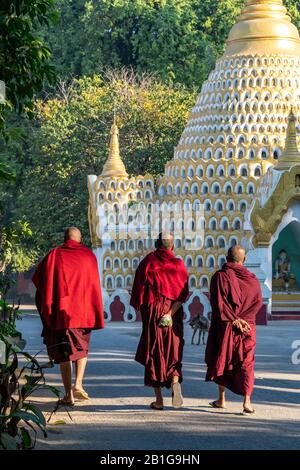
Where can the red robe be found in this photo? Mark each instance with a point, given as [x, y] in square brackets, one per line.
[160, 280]
[68, 284]
[234, 293]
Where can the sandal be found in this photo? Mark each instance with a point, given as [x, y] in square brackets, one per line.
[154, 406]
[65, 402]
[177, 399]
[80, 395]
[248, 411]
[214, 404]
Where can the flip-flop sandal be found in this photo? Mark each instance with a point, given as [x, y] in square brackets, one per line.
[214, 404]
[177, 399]
[80, 395]
[64, 402]
[154, 406]
[247, 411]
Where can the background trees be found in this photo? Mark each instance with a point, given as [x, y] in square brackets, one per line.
[72, 138]
[24, 56]
[144, 58]
[24, 68]
[178, 40]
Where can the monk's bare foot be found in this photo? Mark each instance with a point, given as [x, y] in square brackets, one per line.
[67, 400]
[80, 393]
[247, 407]
[248, 411]
[218, 404]
[177, 399]
[157, 405]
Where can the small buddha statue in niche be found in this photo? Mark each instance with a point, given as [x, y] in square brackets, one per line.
[283, 274]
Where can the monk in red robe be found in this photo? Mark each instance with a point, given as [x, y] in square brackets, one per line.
[236, 299]
[69, 301]
[159, 290]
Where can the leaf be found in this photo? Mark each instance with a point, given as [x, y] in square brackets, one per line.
[16, 341]
[25, 416]
[32, 380]
[59, 421]
[26, 438]
[8, 442]
[5, 173]
[36, 410]
[30, 357]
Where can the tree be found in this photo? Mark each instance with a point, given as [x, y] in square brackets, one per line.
[178, 40]
[24, 57]
[24, 66]
[70, 138]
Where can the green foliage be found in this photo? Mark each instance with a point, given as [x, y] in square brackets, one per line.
[175, 41]
[8, 317]
[70, 139]
[24, 67]
[13, 254]
[19, 418]
[24, 57]
[5, 173]
[178, 40]
[293, 7]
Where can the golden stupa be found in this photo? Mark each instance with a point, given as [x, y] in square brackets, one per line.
[114, 167]
[235, 132]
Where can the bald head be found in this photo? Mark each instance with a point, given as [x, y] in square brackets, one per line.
[73, 233]
[236, 254]
[165, 240]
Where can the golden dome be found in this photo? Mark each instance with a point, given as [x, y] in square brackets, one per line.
[236, 131]
[114, 167]
[263, 27]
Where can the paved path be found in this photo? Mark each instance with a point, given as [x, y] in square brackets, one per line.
[117, 416]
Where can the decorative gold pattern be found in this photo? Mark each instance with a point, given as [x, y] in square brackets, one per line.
[266, 219]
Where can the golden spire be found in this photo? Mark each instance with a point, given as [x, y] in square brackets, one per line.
[114, 167]
[263, 28]
[291, 154]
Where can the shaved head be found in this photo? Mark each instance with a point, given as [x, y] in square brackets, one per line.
[165, 240]
[236, 254]
[73, 233]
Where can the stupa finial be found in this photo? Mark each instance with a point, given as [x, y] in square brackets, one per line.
[291, 154]
[114, 167]
[263, 28]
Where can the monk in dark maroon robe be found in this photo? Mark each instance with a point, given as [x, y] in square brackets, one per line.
[236, 299]
[69, 301]
[159, 290]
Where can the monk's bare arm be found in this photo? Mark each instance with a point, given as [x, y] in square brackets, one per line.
[219, 293]
[176, 306]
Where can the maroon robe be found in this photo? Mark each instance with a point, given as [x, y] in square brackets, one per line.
[69, 300]
[234, 293]
[161, 279]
